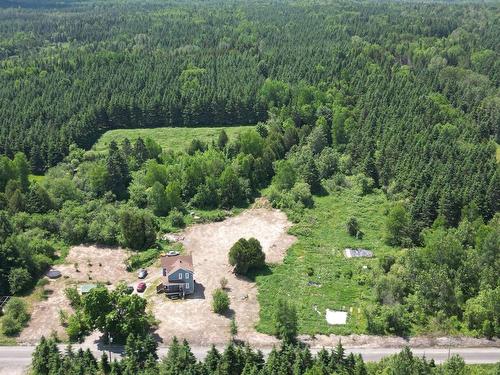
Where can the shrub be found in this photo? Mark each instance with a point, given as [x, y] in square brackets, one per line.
[72, 295]
[234, 327]
[10, 326]
[301, 192]
[363, 184]
[352, 227]
[177, 218]
[19, 280]
[386, 262]
[63, 317]
[77, 327]
[16, 316]
[223, 283]
[286, 322]
[245, 255]
[220, 303]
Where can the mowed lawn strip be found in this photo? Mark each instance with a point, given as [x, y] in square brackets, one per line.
[322, 239]
[176, 139]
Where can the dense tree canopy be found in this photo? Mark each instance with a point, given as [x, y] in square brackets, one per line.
[397, 96]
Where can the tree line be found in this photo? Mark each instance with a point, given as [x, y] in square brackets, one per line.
[141, 358]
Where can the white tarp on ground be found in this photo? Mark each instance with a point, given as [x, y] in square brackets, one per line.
[357, 253]
[336, 317]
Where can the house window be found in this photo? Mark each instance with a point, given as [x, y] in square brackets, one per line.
[180, 275]
[187, 285]
[187, 275]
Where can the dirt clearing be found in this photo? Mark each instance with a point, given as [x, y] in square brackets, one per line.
[84, 264]
[209, 245]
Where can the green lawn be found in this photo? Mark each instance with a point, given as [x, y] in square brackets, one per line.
[321, 240]
[176, 139]
[498, 153]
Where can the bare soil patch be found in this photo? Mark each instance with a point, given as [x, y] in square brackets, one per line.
[209, 245]
[95, 264]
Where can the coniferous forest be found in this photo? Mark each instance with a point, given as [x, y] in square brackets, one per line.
[400, 98]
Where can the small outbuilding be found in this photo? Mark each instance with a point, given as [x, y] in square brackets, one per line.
[85, 288]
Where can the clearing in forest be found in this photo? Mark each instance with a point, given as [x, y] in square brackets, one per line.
[316, 276]
[176, 139]
[84, 264]
[209, 245]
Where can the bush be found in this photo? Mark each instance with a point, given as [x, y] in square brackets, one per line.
[77, 327]
[19, 280]
[234, 327]
[10, 326]
[352, 227]
[73, 296]
[386, 262]
[177, 218]
[245, 255]
[223, 283]
[363, 184]
[286, 322]
[301, 192]
[220, 302]
[16, 316]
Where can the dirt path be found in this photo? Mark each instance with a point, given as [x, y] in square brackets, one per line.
[209, 245]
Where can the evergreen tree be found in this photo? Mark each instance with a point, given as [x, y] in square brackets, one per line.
[222, 140]
[38, 200]
[22, 168]
[118, 173]
[286, 321]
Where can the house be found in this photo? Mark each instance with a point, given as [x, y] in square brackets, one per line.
[177, 275]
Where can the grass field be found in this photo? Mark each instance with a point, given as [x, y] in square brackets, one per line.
[343, 282]
[176, 139]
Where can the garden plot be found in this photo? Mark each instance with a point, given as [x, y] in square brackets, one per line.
[209, 245]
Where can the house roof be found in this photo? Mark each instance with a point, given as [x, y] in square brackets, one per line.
[174, 263]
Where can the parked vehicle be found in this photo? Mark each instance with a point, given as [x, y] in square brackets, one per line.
[172, 253]
[129, 289]
[142, 273]
[141, 287]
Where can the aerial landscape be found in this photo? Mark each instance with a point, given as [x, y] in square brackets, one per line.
[230, 187]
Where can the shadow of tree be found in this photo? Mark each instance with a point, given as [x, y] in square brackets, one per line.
[254, 273]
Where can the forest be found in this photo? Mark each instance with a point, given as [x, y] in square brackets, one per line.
[399, 98]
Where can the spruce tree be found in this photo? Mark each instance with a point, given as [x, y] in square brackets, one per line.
[118, 173]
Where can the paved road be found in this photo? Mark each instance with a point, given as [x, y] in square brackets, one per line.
[15, 359]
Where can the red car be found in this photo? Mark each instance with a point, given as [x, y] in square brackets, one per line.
[141, 287]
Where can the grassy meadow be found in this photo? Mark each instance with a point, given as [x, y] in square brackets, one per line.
[176, 139]
[340, 283]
